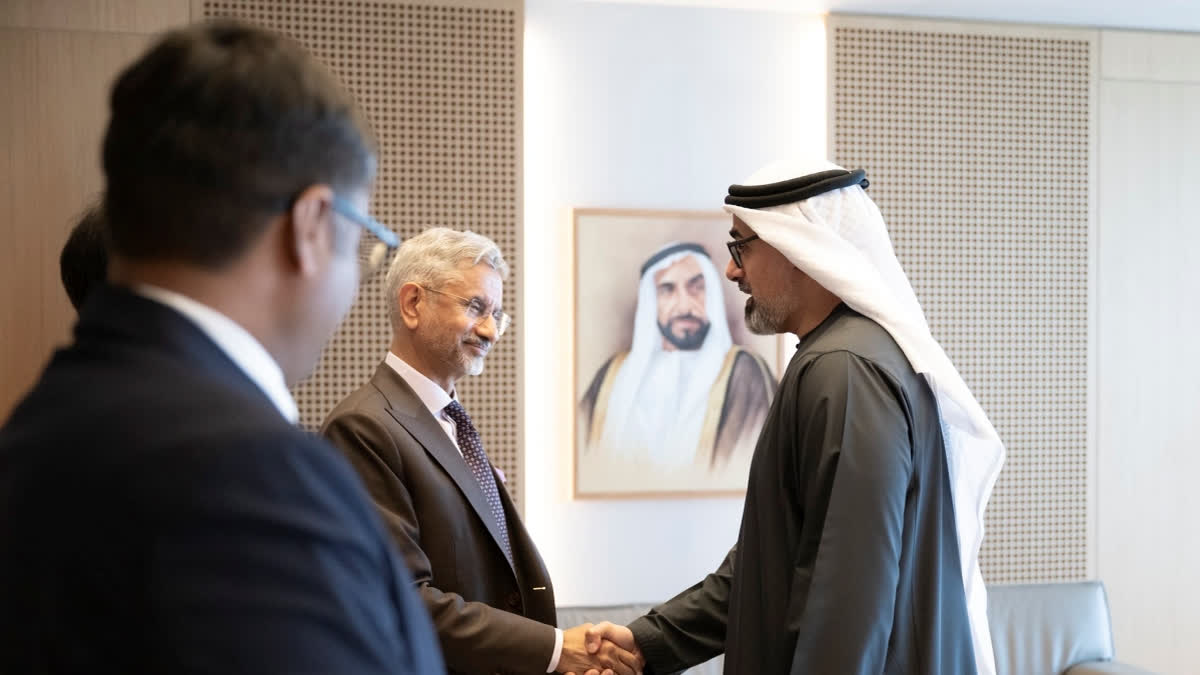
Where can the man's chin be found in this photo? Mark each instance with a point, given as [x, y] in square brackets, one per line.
[475, 366]
[759, 321]
[750, 309]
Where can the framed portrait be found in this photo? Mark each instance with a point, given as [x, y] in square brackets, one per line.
[671, 389]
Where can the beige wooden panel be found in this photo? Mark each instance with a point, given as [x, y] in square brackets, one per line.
[52, 116]
[977, 142]
[440, 81]
[1149, 393]
[118, 16]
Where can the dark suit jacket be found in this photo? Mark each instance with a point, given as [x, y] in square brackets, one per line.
[158, 515]
[489, 616]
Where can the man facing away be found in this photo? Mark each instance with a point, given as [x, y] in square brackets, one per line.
[683, 395]
[83, 262]
[422, 459]
[858, 551]
[160, 511]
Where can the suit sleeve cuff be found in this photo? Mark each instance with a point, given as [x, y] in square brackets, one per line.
[554, 655]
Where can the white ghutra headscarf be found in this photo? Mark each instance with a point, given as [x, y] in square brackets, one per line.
[840, 240]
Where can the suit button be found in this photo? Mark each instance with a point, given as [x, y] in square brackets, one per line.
[514, 600]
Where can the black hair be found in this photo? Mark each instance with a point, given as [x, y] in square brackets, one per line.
[215, 129]
[83, 262]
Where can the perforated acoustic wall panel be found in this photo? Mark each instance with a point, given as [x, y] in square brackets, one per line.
[978, 150]
[441, 84]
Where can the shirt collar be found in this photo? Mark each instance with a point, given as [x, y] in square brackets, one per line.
[431, 394]
[239, 345]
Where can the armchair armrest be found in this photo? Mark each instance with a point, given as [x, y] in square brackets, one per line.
[1105, 668]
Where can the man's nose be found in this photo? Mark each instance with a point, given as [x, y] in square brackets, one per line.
[486, 328]
[675, 304]
[732, 271]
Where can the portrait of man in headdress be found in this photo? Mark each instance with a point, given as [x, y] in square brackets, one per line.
[675, 406]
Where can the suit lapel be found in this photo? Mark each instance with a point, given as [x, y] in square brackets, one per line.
[409, 412]
[533, 578]
[117, 316]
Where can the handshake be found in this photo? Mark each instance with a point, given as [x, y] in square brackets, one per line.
[600, 649]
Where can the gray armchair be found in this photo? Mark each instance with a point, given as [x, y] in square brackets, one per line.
[1037, 629]
[1053, 629]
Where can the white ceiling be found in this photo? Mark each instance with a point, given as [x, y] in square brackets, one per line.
[1173, 15]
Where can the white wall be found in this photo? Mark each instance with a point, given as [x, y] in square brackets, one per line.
[1148, 456]
[639, 107]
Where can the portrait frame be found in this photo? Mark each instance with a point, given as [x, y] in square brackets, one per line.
[609, 248]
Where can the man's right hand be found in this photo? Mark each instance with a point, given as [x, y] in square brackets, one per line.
[605, 636]
[603, 649]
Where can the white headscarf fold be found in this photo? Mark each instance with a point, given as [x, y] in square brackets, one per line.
[659, 398]
[840, 240]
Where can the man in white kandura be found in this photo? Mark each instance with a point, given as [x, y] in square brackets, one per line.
[684, 394]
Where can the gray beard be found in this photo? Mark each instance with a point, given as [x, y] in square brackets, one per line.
[764, 319]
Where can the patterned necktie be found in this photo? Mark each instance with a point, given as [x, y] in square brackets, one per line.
[472, 452]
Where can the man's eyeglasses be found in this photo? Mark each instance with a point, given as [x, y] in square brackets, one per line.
[736, 246]
[371, 253]
[477, 311]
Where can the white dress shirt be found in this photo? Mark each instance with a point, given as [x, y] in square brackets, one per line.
[436, 399]
[239, 345]
[431, 394]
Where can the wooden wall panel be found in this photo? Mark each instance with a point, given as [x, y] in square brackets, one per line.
[110, 16]
[977, 141]
[52, 114]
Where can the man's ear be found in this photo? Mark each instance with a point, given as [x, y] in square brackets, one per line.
[408, 297]
[309, 237]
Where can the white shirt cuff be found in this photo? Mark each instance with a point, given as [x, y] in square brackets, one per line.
[557, 653]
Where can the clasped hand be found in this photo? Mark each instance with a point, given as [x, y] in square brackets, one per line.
[600, 649]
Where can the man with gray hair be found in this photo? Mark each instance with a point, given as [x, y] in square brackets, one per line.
[476, 567]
